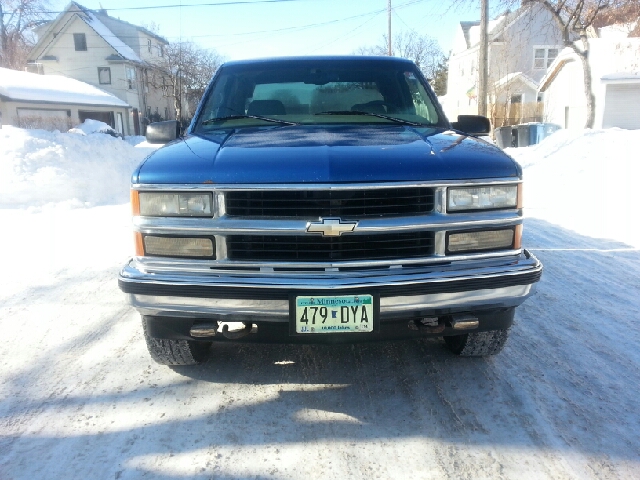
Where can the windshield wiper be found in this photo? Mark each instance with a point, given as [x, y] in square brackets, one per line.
[369, 114]
[212, 121]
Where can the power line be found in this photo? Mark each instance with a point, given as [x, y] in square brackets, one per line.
[175, 5]
[283, 29]
[347, 35]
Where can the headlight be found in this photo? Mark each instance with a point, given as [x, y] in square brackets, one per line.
[482, 198]
[159, 204]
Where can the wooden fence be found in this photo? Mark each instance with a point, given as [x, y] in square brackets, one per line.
[502, 115]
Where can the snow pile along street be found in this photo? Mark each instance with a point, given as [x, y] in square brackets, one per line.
[40, 167]
[585, 181]
[82, 399]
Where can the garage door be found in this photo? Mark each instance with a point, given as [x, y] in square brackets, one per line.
[622, 104]
[47, 119]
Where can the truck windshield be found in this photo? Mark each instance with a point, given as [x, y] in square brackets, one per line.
[248, 95]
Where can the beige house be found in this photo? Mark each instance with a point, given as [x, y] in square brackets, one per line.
[54, 102]
[108, 53]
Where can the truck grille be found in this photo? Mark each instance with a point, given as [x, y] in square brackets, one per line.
[315, 248]
[311, 204]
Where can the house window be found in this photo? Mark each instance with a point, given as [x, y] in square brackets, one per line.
[80, 42]
[160, 51]
[149, 44]
[104, 75]
[131, 78]
[543, 57]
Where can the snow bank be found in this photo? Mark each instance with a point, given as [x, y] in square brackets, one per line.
[39, 167]
[585, 181]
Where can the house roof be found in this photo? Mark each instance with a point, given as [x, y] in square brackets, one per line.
[96, 20]
[103, 13]
[466, 26]
[516, 76]
[471, 29]
[618, 61]
[621, 77]
[30, 87]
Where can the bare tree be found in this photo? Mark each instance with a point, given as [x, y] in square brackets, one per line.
[17, 17]
[183, 73]
[423, 50]
[574, 18]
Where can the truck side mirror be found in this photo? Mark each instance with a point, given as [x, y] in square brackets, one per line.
[163, 132]
[472, 124]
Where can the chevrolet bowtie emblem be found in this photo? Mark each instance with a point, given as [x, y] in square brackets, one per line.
[331, 227]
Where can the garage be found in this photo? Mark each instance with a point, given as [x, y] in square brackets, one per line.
[622, 104]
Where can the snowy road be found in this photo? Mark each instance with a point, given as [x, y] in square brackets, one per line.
[81, 398]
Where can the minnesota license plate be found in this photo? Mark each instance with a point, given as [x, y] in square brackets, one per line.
[339, 314]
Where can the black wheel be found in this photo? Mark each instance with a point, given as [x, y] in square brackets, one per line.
[477, 344]
[175, 352]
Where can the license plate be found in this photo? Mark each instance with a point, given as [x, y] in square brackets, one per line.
[338, 314]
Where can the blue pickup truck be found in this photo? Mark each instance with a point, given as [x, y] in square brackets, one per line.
[325, 199]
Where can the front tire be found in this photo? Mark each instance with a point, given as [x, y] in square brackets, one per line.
[478, 344]
[175, 352]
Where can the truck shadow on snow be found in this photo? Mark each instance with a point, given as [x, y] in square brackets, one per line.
[564, 383]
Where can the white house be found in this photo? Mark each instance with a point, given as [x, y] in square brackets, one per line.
[615, 78]
[522, 45]
[55, 102]
[100, 50]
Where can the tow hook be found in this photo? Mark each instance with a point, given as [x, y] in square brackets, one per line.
[429, 325]
[237, 334]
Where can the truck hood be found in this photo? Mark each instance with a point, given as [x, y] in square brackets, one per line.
[325, 154]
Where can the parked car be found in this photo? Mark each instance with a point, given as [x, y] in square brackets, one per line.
[325, 199]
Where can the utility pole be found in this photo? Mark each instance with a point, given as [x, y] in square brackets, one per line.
[483, 68]
[390, 53]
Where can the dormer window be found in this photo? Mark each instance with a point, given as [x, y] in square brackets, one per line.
[80, 42]
[543, 57]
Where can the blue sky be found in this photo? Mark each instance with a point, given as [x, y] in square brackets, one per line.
[290, 27]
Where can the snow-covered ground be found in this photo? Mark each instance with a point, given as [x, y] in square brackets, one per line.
[80, 397]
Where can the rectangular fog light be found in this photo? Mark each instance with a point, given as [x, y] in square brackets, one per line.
[478, 241]
[178, 246]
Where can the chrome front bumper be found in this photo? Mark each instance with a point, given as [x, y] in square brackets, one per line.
[439, 289]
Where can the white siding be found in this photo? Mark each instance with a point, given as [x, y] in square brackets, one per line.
[564, 100]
